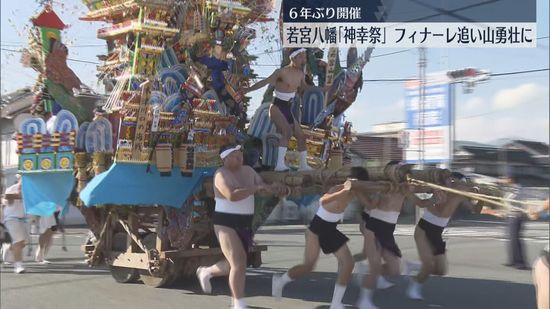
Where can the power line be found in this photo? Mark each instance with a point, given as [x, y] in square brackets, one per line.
[69, 46]
[69, 59]
[365, 80]
[519, 72]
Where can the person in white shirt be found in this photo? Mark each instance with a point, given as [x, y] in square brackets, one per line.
[14, 219]
[45, 224]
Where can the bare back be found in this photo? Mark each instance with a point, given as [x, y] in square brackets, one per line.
[392, 201]
[451, 203]
[447, 208]
[339, 204]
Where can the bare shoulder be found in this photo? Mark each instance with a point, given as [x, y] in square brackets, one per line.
[248, 170]
[221, 172]
[335, 188]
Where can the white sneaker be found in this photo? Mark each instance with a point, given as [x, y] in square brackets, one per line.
[277, 286]
[239, 304]
[365, 303]
[39, 255]
[360, 270]
[337, 306]
[204, 280]
[18, 269]
[7, 255]
[44, 262]
[382, 283]
[414, 290]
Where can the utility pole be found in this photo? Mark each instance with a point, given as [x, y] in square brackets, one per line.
[422, 62]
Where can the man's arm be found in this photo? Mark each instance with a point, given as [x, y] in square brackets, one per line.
[305, 86]
[409, 192]
[268, 189]
[366, 201]
[231, 193]
[336, 193]
[270, 80]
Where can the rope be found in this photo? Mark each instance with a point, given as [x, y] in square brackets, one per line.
[503, 199]
[481, 197]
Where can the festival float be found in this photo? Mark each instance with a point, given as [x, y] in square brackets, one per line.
[140, 168]
[46, 137]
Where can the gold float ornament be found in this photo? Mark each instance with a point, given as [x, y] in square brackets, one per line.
[28, 165]
[64, 163]
[46, 164]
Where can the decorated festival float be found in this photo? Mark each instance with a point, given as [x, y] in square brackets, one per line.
[46, 137]
[173, 69]
[140, 168]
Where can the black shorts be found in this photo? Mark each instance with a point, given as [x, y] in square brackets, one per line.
[365, 216]
[383, 231]
[330, 238]
[242, 224]
[284, 107]
[433, 233]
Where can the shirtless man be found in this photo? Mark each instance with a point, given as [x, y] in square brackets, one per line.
[287, 81]
[323, 235]
[234, 187]
[379, 240]
[368, 201]
[427, 234]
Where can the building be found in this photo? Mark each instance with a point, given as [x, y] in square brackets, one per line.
[374, 150]
[12, 105]
[524, 159]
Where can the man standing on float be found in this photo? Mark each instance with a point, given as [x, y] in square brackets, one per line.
[287, 81]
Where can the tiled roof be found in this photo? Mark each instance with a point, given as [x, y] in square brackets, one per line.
[537, 147]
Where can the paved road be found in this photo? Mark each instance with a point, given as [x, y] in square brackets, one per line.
[476, 277]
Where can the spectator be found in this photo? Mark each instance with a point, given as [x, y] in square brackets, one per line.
[516, 219]
[13, 215]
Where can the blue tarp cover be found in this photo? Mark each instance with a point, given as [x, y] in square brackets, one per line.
[131, 184]
[43, 192]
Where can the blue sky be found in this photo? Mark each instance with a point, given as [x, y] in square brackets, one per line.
[509, 106]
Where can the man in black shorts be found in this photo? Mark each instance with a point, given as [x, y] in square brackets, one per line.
[322, 234]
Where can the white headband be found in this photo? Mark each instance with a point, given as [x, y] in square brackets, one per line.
[296, 52]
[227, 152]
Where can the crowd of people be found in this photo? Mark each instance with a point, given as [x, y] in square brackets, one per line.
[235, 186]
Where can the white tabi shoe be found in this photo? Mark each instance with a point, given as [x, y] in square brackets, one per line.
[281, 154]
[414, 291]
[204, 280]
[304, 167]
[18, 269]
[277, 286]
[365, 303]
[337, 306]
[239, 304]
[382, 283]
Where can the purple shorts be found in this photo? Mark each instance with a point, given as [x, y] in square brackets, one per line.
[284, 107]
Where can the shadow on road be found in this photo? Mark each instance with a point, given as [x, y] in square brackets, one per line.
[439, 292]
